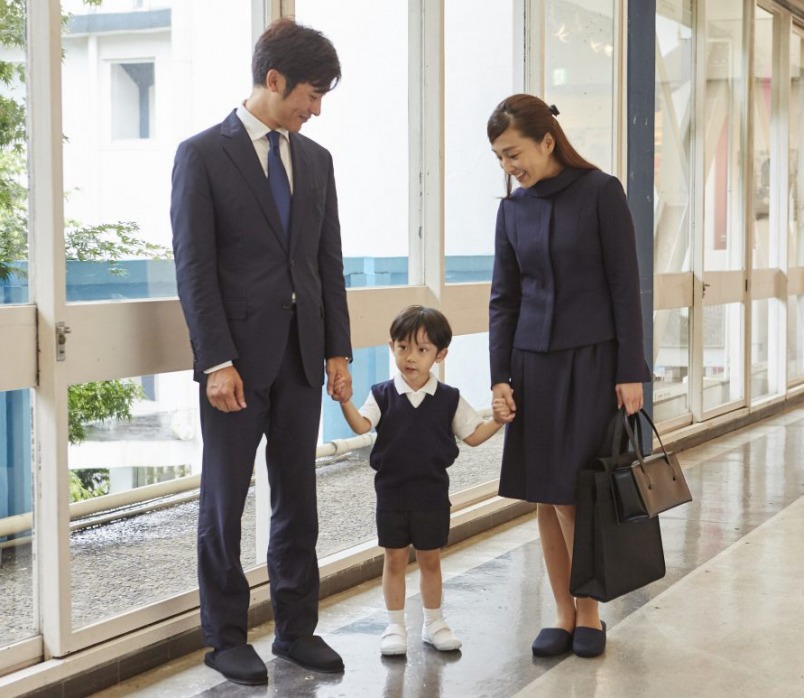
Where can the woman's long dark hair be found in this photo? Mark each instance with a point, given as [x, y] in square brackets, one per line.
[533, 119]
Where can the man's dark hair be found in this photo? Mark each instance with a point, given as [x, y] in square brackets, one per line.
[300, 53]
[410, 320]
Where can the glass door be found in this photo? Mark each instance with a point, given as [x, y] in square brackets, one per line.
[722, 322]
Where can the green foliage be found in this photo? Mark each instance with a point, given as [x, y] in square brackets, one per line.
[109, 242]
[88, 483]
[97, 402]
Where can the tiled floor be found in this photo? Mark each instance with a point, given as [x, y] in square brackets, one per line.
[726, 621]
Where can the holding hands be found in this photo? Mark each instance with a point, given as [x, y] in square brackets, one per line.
[502, 403]
[339, 380]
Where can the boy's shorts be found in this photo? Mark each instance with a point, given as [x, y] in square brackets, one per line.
[425, 530]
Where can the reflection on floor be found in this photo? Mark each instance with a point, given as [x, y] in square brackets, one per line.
[725, 621]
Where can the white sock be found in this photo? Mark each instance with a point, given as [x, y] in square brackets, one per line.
[432, 614]
[396, 617]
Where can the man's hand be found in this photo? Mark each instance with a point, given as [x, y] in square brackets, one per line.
[339, 380]
[225, 390]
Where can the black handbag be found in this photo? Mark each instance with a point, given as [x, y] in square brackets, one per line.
[610, 558]
[648, 485]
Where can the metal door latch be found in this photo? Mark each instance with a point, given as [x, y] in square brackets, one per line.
[62, 331]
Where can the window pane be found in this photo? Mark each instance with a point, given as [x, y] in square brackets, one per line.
[13, 161]
[364, 124]
[467, 368]
[671, 387]
[673, 136]
[17, 620]
[479, 49]
[765, 236]
[132, 553]
[346, 501]
[765, 329]
[136, 82]
[795, 338]
[796, 198]
[723, 354]
[579, 70]
[723, 156]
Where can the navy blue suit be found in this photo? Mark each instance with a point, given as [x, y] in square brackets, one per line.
[575, 287]
[565, 326]
[237, 273]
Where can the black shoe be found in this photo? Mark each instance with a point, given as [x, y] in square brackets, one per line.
[551, 642]
[589, 642]
[310, 652]
[239, 664]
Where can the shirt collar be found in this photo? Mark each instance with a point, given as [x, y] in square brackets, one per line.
[403, 388]
[254, 127]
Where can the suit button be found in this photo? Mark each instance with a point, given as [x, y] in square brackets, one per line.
[293, 262]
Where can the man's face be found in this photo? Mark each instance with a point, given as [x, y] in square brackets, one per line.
[292, 111]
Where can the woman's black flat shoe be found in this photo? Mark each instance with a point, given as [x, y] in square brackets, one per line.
[589, 642]
[551, 642]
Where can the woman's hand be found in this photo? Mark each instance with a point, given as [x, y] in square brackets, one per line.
[503, 403]
[630, 395]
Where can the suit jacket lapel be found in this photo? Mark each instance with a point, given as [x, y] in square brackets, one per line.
[238, 146]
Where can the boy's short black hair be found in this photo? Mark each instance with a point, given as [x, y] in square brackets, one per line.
[300, 53]
[410, 320]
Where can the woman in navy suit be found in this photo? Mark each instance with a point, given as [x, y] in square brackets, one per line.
[565, 336]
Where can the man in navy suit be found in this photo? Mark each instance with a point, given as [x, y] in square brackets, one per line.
[259, 267]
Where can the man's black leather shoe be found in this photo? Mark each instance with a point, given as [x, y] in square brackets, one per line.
[239, 664]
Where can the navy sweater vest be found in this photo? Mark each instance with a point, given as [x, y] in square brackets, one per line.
[414, 448]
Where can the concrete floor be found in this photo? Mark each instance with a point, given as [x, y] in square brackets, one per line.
[726, 621]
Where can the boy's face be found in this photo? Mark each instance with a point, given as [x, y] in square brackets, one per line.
[415, 357]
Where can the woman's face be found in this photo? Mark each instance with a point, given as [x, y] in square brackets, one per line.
[525, 159]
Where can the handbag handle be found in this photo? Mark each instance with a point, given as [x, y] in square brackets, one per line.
[636, 443]
[620, 439]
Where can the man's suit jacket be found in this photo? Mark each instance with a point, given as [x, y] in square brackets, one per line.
[565, 273]
[236, 269]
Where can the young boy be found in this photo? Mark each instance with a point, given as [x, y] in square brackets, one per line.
[417, 419]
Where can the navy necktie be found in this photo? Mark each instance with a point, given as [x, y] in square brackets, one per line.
[278, 180]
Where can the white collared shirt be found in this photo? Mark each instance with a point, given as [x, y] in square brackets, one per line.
[258, 131]
[464, 423]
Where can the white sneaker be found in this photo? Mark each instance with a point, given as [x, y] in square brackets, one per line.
[394, 640]
[439, 635]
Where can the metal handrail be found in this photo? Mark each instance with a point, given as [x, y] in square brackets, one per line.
[21, 523]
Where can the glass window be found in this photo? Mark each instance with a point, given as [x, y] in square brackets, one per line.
[673, 137]
[17, 607]
[467, 368]
[723, 155]
[479, 72]
[132, 100]
[579, 74]
[671, 387]
[795, 338]
[364, 124]
[13, 161]
[125, 435]
[765, 237]
[135, 83]
[765, 330]
[346, 500]
[796, 195]
[723, 354]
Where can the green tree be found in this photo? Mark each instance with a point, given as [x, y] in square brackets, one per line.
[108, 242]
